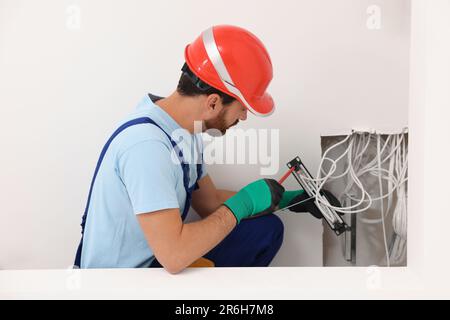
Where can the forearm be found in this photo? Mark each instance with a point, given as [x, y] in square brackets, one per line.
[224, 195]
[220, 198]
[206, 205]
[198, 238]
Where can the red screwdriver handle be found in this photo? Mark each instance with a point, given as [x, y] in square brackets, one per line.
[286, 175]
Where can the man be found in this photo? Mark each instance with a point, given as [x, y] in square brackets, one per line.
[140, 196]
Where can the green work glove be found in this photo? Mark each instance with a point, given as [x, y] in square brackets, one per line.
[257, 198]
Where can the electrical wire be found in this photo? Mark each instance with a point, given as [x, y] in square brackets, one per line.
[293, 205]
[382, 202]
[389, 165]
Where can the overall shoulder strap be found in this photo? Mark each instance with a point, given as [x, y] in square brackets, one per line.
[105, 149]
[100, 160]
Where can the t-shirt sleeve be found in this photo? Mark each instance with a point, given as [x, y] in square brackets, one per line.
[148, 172]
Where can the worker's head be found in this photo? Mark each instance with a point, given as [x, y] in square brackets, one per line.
[230, 69]
[218, 110]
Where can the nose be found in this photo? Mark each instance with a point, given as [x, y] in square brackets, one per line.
[243, 116]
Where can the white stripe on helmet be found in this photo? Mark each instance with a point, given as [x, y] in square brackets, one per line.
[214, 56]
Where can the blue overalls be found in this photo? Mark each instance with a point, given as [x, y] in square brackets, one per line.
[184, 166]
[253, 243]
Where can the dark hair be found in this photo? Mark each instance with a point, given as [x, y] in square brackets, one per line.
[190, 86]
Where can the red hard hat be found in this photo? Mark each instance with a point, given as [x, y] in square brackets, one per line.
[234, 61]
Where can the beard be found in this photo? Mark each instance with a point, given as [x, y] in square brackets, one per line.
[219, 123]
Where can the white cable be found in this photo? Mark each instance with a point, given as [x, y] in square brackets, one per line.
[365, 196]
[382, 201]
[399, 220]
[393, 150]
[322, 200]
[392, 179]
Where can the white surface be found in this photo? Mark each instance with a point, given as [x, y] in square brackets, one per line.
[62, 90]
[283, 283]
[431, 95]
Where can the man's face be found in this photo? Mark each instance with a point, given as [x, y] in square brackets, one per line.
[229, 116]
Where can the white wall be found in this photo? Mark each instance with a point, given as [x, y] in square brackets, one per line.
[430, 101]
[63, 89]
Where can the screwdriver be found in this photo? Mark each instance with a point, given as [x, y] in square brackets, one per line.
[286, 175]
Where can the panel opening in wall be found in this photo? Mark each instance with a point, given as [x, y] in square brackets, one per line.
[377, 208]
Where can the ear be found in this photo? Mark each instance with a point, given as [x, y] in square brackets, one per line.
[213, 105]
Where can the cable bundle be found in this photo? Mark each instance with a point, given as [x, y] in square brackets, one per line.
[389, 165]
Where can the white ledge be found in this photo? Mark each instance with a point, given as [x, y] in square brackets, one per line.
[215, 283]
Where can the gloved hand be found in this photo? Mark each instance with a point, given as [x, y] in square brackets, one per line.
[257, 198]
[291, 197]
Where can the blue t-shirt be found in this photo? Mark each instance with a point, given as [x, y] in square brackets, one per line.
[140, 173]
